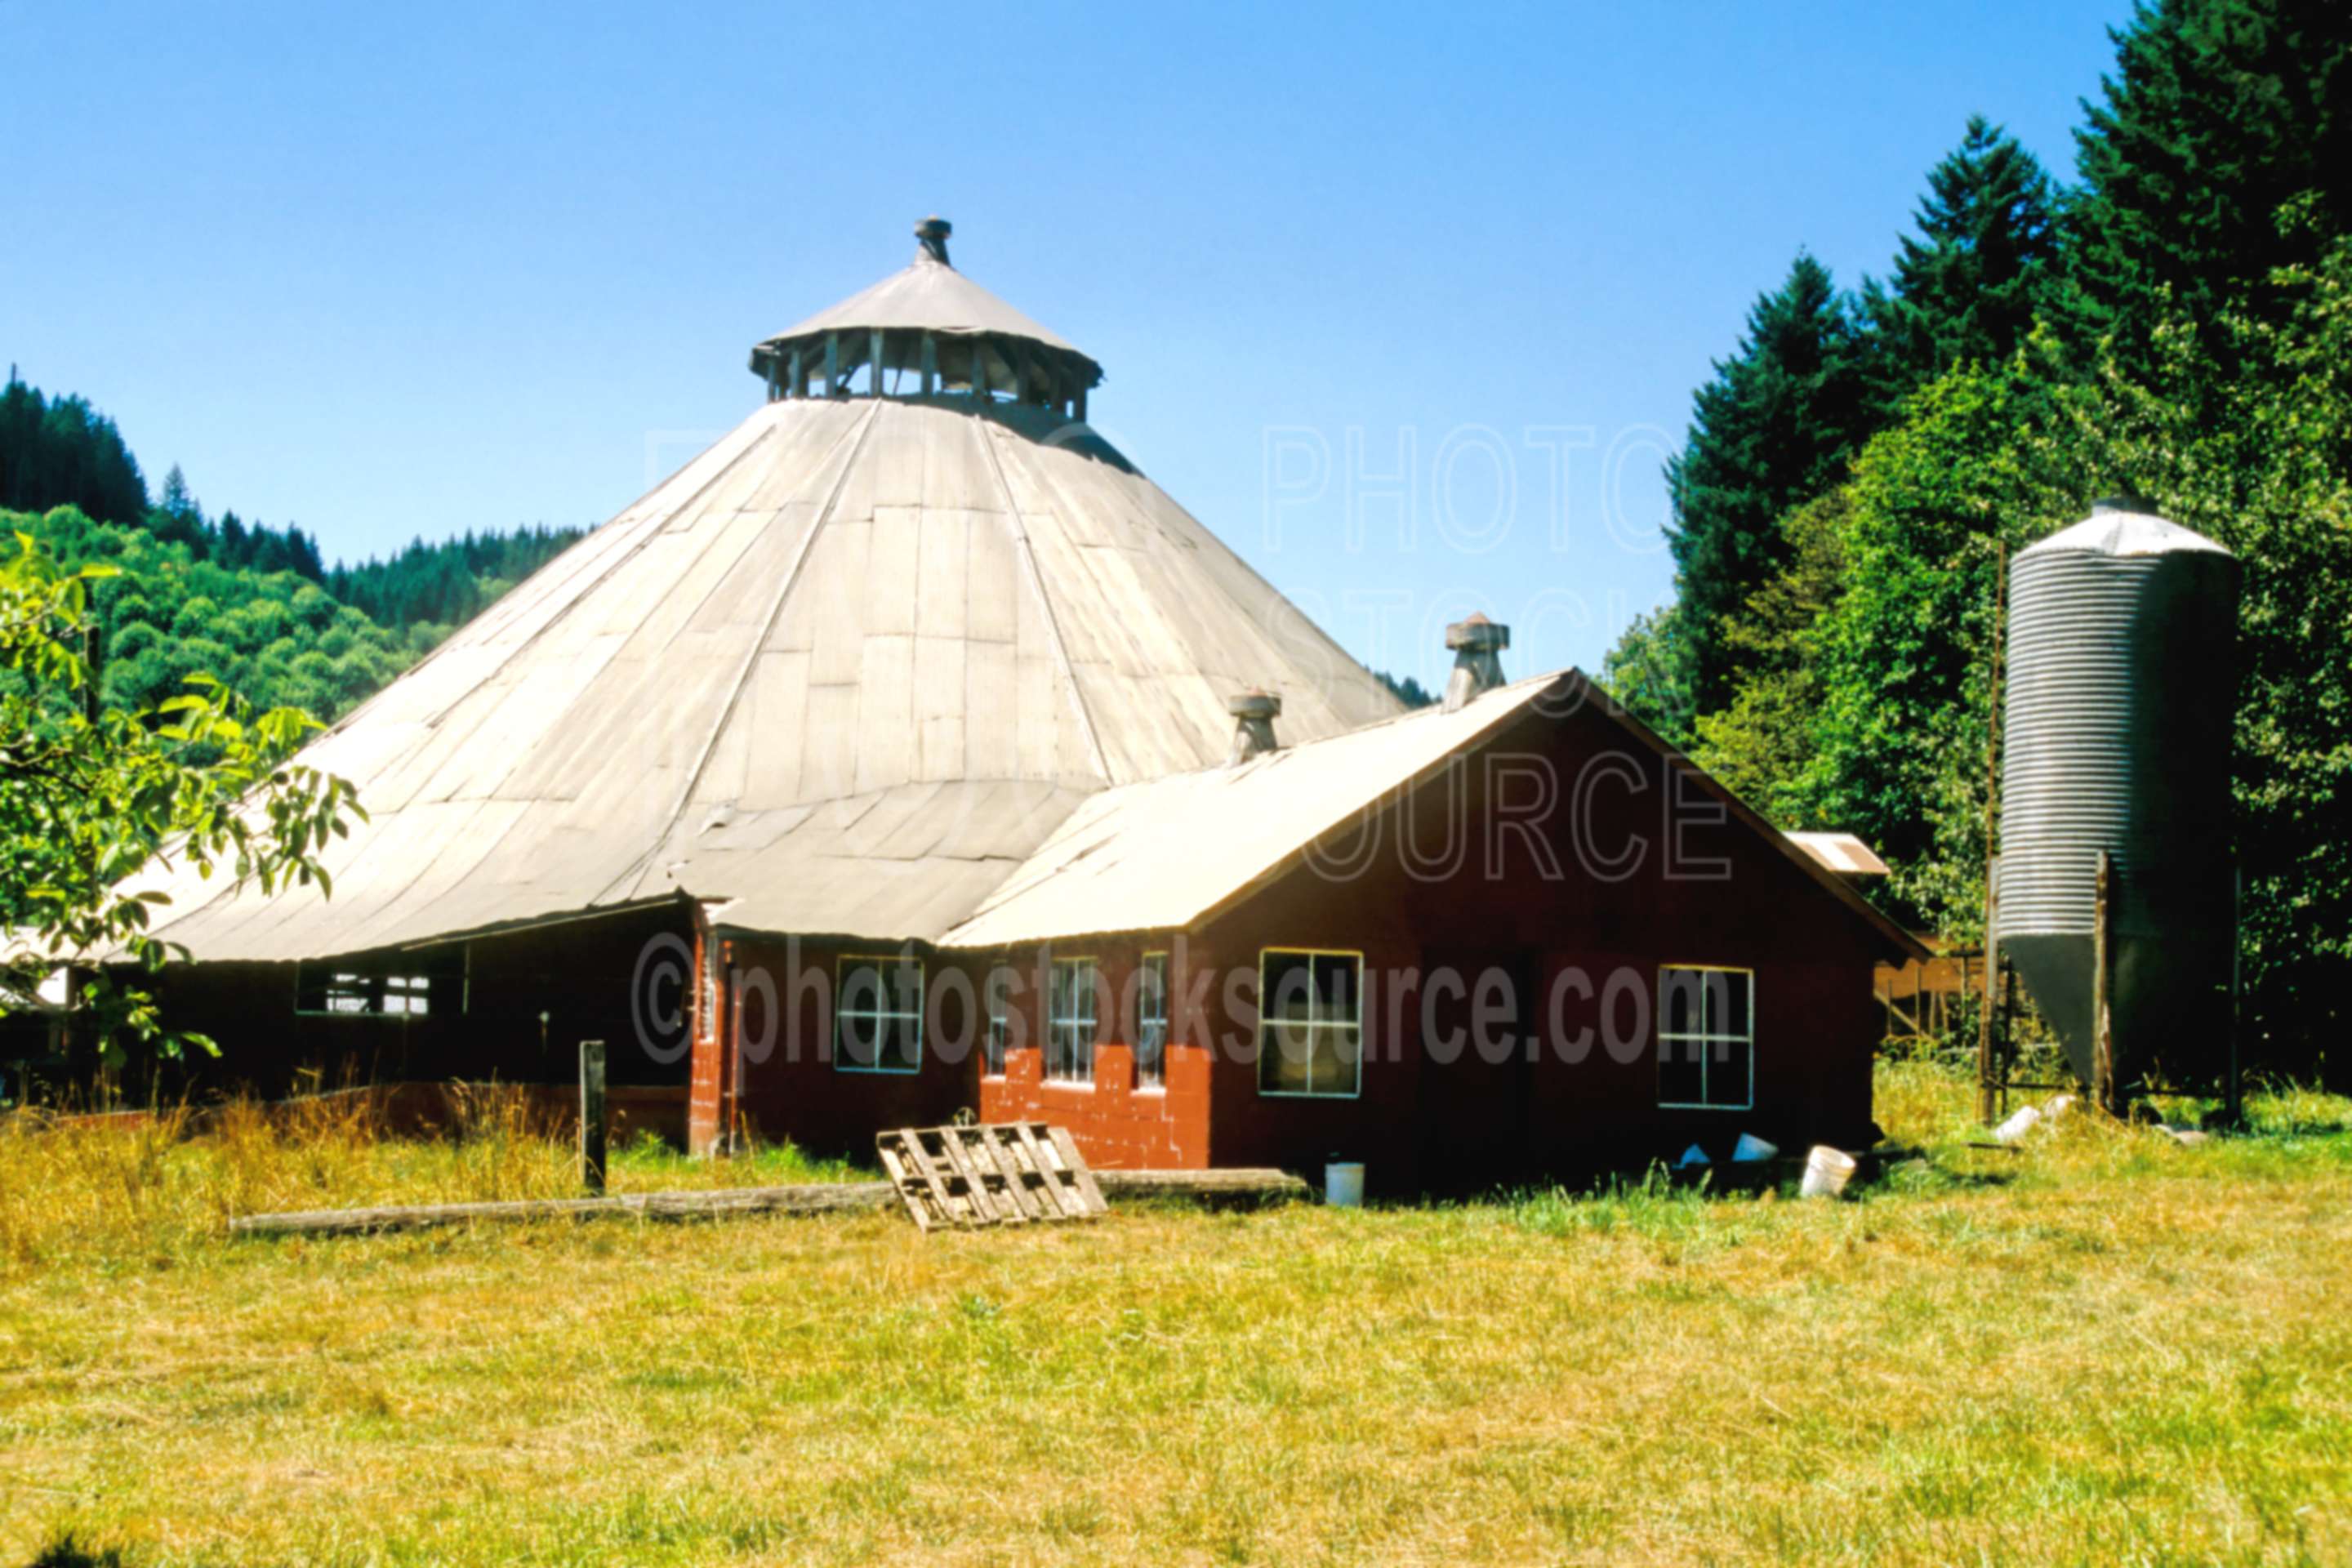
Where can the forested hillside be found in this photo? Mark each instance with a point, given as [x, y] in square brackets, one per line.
[248, 603]
[278, 638]
[2178, 325]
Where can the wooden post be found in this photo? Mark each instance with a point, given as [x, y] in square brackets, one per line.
[2002, 1050]
[930, 364]
[797, 384]
[2233, 1102]
[591, 1116]
[875, 371]
[1988, 1069]
[980, 369]
[2102, 1059]
[832, 364]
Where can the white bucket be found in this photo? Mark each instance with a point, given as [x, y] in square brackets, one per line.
[1827, 1171]
[1751, 1148]
[2014, 1130]
[1343, 1183]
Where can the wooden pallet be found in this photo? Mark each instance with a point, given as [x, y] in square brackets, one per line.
[1016, 1172]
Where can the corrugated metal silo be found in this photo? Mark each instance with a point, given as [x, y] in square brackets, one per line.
[2121, 688]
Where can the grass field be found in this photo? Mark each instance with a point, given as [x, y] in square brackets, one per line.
[2108, 1348]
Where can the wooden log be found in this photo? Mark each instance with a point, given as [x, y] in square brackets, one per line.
[812, 1199]
[818, 1197]
[1241, 1181]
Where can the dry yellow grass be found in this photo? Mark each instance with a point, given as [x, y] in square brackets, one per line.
[2109, 1349]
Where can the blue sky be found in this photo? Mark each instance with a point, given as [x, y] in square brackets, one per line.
[402, 270]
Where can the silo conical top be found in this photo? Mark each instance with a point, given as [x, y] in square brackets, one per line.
[2123, 525]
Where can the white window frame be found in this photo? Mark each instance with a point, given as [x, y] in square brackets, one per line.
[996, 1034]
[1706, 1036]
[407, 995]
[1154, 1080]
[884, 965]
[1082, 1029]
[1265, 1025]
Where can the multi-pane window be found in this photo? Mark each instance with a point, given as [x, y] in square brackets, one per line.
[999, 1034]
[878, 1015]
[1706, 1039]
[354, 994]
[1070, 1022]
[409, 994]
[1152, 1023]
[1310, 1023]
[347, 993]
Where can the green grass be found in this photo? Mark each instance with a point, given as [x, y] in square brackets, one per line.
[2108, 1348]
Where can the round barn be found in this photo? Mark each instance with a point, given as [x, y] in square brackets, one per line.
[909, 752]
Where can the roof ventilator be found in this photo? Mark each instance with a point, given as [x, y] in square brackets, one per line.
[1254, 712]
[1477, 644]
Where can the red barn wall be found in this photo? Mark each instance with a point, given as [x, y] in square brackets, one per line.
[792, 1088]
[1521, 899]
[1117, 1124]
[1416, 1123]
[779, 1024]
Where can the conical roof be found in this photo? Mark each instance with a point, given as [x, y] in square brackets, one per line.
[859, 659]
[930, 295]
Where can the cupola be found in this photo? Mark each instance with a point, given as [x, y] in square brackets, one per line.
[926, 331]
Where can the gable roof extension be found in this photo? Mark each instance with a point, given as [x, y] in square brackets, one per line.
[1171, 852]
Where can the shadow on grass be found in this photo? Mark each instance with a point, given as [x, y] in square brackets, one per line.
[66, 1551]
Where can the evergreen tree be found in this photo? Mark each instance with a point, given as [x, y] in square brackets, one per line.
[2222, 152]
[178, 518]
[65, 454]
[303, 554]
[1648, 671]
[1773, 429]
[1968, 287]
[1409, 692]
[1761, 746]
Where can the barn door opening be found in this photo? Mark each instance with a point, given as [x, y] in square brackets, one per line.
[1476, 1022]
